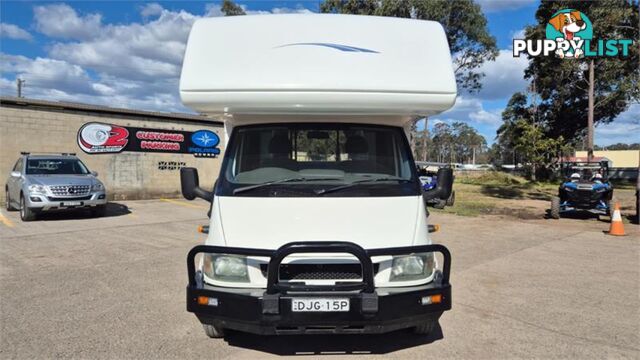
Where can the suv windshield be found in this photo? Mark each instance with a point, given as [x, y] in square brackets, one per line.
[56, 167]
[317, 159]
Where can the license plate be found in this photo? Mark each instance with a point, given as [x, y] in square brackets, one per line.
[320, 305]
[71, 203]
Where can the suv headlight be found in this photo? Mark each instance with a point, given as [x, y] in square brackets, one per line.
[37, 189]
[226, 268]
[97, 187]
[412, 267]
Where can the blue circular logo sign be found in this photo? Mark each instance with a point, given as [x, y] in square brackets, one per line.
[205, 139]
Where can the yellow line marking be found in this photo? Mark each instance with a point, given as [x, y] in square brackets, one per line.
[182, 203]
[5, 221]
[133, 215]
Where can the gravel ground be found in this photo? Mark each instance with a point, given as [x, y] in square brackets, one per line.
[72, 286]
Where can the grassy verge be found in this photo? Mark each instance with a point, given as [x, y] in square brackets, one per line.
[496, 193]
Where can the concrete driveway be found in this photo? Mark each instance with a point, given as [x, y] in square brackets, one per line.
[76, 287]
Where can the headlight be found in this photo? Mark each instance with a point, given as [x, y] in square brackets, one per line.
[412, 267]
[97, 187]
[37, 189]
[226, 268]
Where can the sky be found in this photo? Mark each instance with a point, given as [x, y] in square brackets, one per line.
[129, 54]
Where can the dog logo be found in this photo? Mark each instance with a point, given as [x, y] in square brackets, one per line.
[569, 28]
[94, 138]
[569, 35]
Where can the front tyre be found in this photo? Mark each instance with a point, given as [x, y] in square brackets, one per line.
[452, 199]
[440, 204]
[213, 331]
[26, 214]
[555, 208]
[425, 328]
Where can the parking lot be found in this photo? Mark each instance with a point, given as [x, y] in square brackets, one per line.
[72, 286]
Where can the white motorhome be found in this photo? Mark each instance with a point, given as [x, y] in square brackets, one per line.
[318, 220]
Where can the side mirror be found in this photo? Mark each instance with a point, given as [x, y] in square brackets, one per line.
[94, 173]
[444, 187]
[190, 184]
[15, 174]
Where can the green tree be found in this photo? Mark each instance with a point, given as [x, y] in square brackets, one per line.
[619, 146]
[229, 8]
[541, 152]
[442, 143]
[563, 84]
[523, 138]
[456, 143]
[503, 150]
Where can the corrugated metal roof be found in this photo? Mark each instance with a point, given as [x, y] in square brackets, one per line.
[73, 106]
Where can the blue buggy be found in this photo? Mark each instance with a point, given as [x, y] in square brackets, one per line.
[586, 188]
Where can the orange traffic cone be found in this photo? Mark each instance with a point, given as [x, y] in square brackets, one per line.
[616, 228]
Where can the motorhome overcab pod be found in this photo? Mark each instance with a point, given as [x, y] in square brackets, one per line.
[318, 221]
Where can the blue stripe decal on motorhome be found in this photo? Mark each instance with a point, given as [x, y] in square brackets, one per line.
[335, 46]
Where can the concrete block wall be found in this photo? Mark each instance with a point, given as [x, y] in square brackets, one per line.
[127, 176]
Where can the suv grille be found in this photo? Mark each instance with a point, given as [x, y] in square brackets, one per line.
[70, 190]
[319, 271]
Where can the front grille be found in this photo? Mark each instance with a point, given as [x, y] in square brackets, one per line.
[53, 198]
[319, 271]
[70, 190]
[584, 197]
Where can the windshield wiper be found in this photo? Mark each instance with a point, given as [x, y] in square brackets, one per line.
[281, 181]
[350, 185]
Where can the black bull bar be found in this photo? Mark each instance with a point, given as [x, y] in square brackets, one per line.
[271, 296]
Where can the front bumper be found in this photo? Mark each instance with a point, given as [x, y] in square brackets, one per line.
[45, 202]
[584, 200]
[268, 312]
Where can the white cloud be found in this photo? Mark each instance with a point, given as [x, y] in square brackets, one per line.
[502, 5]
[213, 10]
[503, 77]
[471, 110]
[14, 32]
[624, 129]
[141, 51]
[62, 21]
[48, 73]
[520, 34]
[152, 9]
[133, 65]
[297, 10]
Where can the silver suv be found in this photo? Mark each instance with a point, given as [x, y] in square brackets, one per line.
[40, 183]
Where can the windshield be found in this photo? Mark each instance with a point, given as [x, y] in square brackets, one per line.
[56, 167]
[310, 159]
